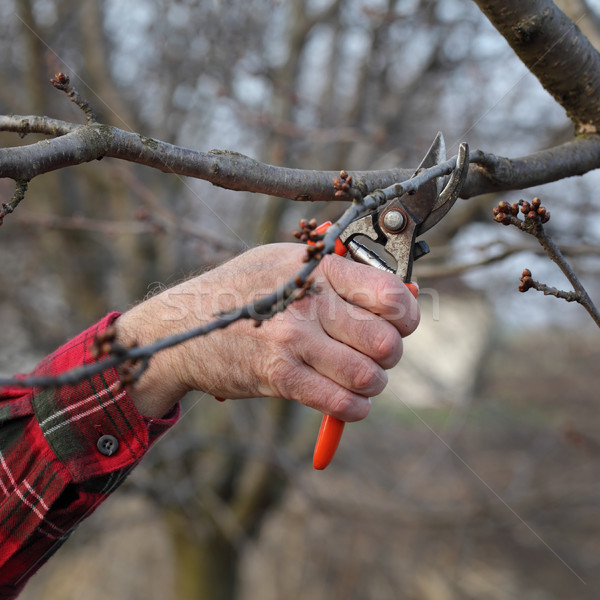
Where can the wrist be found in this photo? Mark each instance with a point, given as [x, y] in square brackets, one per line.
[160, 386]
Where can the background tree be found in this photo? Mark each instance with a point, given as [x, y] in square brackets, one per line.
[323, 85]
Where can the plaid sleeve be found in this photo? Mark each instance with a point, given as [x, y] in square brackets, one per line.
[62, 452]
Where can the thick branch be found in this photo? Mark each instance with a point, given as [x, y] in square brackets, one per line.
[555, 51]
[222, 168]
[492, 173]
[83, 143]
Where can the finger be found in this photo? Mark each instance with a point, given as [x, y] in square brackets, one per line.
[379, 292]
[302, 383]
[344, 365]
[360, 329]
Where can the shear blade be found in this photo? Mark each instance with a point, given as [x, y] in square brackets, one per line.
[449, 194]
[435, 155]
[422, 201]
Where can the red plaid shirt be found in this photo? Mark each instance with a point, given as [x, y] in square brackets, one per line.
[53, 474]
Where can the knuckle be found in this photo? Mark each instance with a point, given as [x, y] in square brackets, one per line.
[342, 406]
[368, 377]
[387, 346]
[289, 331]
[348, 408]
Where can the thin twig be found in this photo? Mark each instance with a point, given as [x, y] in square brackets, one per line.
[63, 83]
[535, 216]
[9, 207]
[548, 290]
[582, 296]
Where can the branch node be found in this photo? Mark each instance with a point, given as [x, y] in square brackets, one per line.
[344, 188]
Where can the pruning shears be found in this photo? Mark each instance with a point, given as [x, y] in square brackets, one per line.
[386, 239]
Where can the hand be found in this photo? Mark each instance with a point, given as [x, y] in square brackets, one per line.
[328, 350]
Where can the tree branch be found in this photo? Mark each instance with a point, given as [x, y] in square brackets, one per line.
[24, 125]
[76, 144]
[553, 48]
[548, 290]
[63, 83]
[9, 207]
[490, 173]
[535, 216]
[231, 170]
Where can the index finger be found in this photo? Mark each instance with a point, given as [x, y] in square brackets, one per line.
[381, 293]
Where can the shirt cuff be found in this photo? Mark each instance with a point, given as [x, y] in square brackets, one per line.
[93, 426]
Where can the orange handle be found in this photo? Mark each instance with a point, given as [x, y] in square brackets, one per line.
[413, 288]
[340, 249]
[330, 432]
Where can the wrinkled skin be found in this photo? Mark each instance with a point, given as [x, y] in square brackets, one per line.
[329, 350]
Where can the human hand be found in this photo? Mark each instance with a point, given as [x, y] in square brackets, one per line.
[328, 350]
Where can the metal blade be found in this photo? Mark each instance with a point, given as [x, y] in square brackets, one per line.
[450, 193]
[435, 155]
[420, 203]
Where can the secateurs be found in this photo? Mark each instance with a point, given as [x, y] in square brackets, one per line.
[387, 239]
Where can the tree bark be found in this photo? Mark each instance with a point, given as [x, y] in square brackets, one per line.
[234, 171]
[553, 48]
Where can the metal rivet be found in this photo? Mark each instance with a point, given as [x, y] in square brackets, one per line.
[393, 220]
[108, 445]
